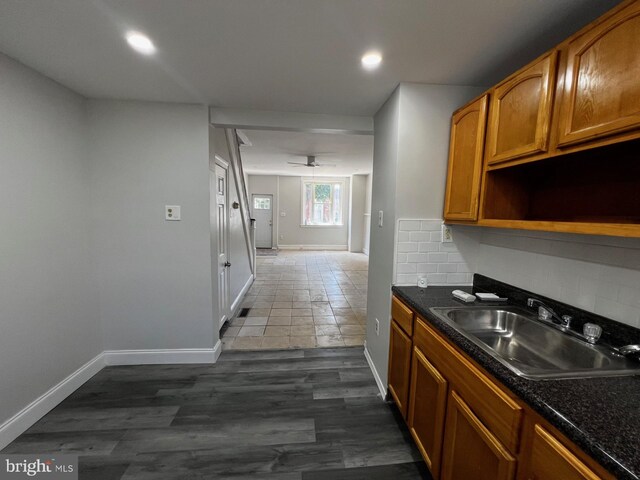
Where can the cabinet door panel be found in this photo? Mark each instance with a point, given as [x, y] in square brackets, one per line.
[550, 460]
[465, 161]
[601, 88]
[399, 367]
[520, 112]
[403, 315]
[427, 406]
[470, 450]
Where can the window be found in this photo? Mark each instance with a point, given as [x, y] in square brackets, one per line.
[261, 203]
[322, 203]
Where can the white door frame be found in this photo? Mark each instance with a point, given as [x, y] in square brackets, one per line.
[253, 214]
[222, 256]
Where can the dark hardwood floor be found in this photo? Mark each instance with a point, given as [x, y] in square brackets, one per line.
[273, 414]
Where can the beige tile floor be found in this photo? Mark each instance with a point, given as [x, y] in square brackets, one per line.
[302, 300]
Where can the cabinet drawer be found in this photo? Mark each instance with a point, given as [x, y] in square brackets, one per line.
[551, 460]
[497, 411]
[403, 315]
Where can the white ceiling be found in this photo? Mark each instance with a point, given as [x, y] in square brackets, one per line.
[284, 55]
[271, 150]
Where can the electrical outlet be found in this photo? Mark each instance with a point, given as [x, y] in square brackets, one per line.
[281, 237]
[447, 236]
[172, 213]
[377, 327]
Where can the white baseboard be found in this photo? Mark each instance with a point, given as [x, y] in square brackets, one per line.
[312, 247]
[376, 376]
[243, 292]
[15, 426]
[25, 418]
[163, 356]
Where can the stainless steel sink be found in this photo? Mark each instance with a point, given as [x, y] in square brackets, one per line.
[532, 349]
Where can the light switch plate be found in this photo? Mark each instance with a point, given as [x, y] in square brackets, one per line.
[172, 213]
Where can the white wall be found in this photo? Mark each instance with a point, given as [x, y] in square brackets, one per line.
[420, 252]
[381, 260]
[596, 273]
[49, 323]
[366, 240]
[358, 196]
[423, 146]
[410, 161]
[154, 276]
[238, 254]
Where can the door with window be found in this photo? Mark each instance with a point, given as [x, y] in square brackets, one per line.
[263, 214]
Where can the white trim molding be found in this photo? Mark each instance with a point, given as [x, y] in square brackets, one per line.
[236, 303]
[163, 356]
[376, 376]
[13, 427]
[312, 247]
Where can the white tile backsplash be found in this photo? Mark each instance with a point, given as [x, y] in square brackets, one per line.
[441, 263]
[596, 273]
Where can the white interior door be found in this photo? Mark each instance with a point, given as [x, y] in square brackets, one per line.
[262, 206]
[223, 242]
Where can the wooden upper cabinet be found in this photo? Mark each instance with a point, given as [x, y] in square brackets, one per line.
[520, 112]
[465, 161]
[550, 460]
[470, 450]
[427, 406]
[601, 92]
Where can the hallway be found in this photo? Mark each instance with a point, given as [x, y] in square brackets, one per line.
[303, 299]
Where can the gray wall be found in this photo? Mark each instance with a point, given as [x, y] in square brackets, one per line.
[410, 157]
[385, 158]
[154, 276]
[287, 197]
[238, 256]
[48, 300]
[423, 146]
[289, 227]
[357, 201]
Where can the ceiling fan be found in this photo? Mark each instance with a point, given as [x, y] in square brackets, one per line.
[311, 162]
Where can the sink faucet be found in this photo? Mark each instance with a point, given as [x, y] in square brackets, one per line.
[545, 312]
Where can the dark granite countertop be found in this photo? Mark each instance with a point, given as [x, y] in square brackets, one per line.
[600, 415]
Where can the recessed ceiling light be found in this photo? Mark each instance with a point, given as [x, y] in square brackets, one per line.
[141, 43]
[371, 60]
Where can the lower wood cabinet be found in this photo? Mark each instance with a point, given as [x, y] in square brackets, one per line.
[470, 450]
[551, 460]
[466, 425]
[427, 406]
[399, 367]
